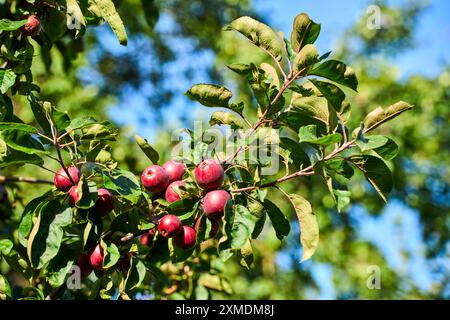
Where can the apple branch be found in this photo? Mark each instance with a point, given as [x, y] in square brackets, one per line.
[308, 171]
[286, 84]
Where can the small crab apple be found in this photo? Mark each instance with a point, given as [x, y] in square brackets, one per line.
[147, 238]
[155, 179]
[209, 174]
[186, 238]
[73, 196]
[62, 181]
[3, 194]
[32, 27]
[105, 202]
[173, 191]
[175, 170]
[96, 258]
[214, 203]
[84, 264]
[214, 227]
[169, 226]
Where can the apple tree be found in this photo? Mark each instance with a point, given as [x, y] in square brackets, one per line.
[103, 232]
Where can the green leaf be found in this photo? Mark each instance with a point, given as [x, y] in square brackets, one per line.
[309, 228]
[307, 57]
[10, 126]
[334, 95]
[47, 233]
[343, 198]
[315, 108]
[376, 172]
[246, 253]
[135, 275]
[257, 209]
[124, 183]
[110, 14]
[112, 254]
[99, 131]
[379, 116]
[296, 152]
[32, 208]
[59, 267]
[304, 31]
[370, 142]
[279, 222]
[388, 151]
[272, 73]
[259, 34]
[5, 288]
[243, 226]
[79, 123]
[17, 158]
[87, 191]
[9, 25]
[5, 246]
[210, 95]
[23, 142]
[226, 118]
[225, 244]
[336, 71]
[7, 80]
[149, 151]
[308, 134]
[3, 150]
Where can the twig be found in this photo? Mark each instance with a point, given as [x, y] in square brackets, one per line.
[308, 171]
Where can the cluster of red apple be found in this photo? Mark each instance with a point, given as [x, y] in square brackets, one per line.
[209, 176]
[105, 201]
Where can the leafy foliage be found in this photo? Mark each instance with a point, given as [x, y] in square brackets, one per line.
[299, 113]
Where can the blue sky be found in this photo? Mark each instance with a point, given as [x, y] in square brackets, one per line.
[428, 58]
[397, 229]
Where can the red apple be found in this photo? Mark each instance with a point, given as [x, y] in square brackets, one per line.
[73, 196]
[3, 194]
[214, 203]
[105, 202]
[84, 264]
[32, 27]
[186, 238]
[62, 181]
[175, 170]
[147, 238]
[173, 192]
[209, 174]
[155, 179]
[169, 226]
[214, 227]
[96, 258]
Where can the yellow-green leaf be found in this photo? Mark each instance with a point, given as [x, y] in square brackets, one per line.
[309, 228]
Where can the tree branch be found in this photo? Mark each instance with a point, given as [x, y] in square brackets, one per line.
[308, 171]
[5, 179]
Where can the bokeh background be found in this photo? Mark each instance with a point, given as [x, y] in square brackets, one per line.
[174, 44]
